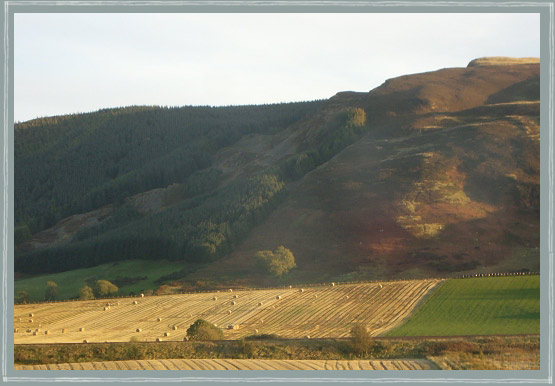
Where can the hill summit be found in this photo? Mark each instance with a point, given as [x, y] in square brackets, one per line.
[431, 174]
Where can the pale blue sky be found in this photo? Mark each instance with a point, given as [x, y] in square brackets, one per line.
[67, 63]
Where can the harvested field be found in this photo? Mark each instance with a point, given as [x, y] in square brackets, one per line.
[241, 364]
[320, 312]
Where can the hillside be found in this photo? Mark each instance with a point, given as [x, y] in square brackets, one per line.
[429, 174]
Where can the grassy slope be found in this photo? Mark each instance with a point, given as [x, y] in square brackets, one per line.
[493, 305]
[70, 282]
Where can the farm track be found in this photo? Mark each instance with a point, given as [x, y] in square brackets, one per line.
[240, 364]
[318, 312]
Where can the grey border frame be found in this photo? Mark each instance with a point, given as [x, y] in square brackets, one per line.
[547, 15]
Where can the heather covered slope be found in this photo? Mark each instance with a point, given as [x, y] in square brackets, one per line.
[438, 175]
[445, 181]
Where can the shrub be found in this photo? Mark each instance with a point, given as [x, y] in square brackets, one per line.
[361, 340]
[86, 293]
[23, 297]
[104, 288]
[277, 262]
[203, 330]
[51, 292]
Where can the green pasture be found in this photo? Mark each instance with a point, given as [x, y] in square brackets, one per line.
[478, 306]
[70, 282]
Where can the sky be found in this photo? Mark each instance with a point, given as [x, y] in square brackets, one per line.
[71, 63]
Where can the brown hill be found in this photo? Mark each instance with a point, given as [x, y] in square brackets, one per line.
[446, 181]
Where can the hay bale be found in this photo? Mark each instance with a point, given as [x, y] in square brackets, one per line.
[235, 296]
[107, 304]
[214, 298]
[290, 286]
[301, 290]
[34, 333]
[138, 330]
[117, 303]
[135, 302]
[185, 339]
[81, 329]
[28, 330]
[233, 327]
[256, 331]
[166, 334]
[30, 320]
[346, 296]
[19, 319]
[307, 337]
[232, 302]
[380, 286]
[174, 328]
[159, 319]
[63, 330]
[259, 304]
[261, 320]
[158, 340]
[85, 341]
[142, 295]
[31, 315]
[37, 329]
[40, 325]
[46, 332]
[229, 312]
[278, 297]
[230, 290]
[106, 308]
[333, 284]
[15, 330]
[315, 296]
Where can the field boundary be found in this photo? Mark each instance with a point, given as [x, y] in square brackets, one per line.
[313, 285]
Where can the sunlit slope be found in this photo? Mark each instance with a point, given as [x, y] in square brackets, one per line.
[324, 311]
[492, 305]
[239, 364]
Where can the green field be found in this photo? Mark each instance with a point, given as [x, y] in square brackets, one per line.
[490, 305]
[70, 282]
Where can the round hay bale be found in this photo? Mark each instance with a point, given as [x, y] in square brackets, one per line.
[229, 311]
[30, 320]
[135, 302]
[31, 315]
[259, 304]
[34, 333]
[214, 298]
[28, 330]
[346, 296]
[290, 286]
[117, 303]
[230, 290]
[315, 296]
[333, 284]
[380, 286]
[81, 329]
[185, 339]
[301, 290]
[142, 295]
[138, 330]
[85, 341]
[159, 319]
[233, 302]
[19, 319]
[107, 304]
[63, 330]
[46, 332]
[40, 325]
[158, 340]
[15, 330]
[278, 297]
[166, 334]
[261, 320]
[37, 329]
[235, 296]
[106, 308]
[307, 337]
[256, 331]
[174, 328]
